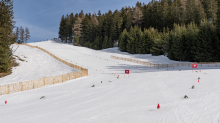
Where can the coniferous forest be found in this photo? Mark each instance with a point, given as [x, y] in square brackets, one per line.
[184, 30]
[6, 36]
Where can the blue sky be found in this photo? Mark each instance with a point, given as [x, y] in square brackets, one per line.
[42, 17]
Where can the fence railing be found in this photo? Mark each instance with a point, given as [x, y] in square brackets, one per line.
[187, 64]
[33, 84]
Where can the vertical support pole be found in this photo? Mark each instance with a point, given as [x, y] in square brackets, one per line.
[129, 72]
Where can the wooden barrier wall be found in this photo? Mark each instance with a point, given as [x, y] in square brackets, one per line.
[28, 85]
[202, 64]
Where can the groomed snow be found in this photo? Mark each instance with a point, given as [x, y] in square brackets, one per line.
[123, 100]
[37, 64]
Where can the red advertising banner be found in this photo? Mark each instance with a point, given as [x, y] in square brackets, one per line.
[126, 71]
[194, 65]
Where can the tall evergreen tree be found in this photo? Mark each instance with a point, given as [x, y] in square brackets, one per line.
[113, 27]
[76, 40]
[138, 16]
[128, 23]
[157, 41]
[17, 34]
[123, 40]
[62, 28]
[21, 34]
[105, 43]
[207, 43]
[6, 26]
[26, 35]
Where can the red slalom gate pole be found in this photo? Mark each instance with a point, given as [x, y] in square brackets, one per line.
[124, 74]
[101, 81]
[129, 72]
[6, 102]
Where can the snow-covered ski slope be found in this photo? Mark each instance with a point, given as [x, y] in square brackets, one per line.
[34, 64]
[123, 100]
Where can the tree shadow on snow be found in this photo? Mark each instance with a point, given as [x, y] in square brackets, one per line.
[144, 69]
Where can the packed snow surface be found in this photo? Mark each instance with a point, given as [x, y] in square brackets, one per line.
[34, 64]
[132, 99]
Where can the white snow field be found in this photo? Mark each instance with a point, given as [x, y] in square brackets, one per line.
[123, 100]
[37, 64]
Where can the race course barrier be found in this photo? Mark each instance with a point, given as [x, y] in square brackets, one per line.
[187, 64]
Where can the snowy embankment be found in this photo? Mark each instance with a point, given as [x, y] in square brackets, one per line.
[141, 57]
[123, 100]
[34, 64]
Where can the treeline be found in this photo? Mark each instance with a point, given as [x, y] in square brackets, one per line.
[6, 36]
[183, 43]
[158, 28]
[22, 35]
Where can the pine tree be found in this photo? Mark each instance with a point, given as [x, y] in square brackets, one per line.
[113, 27]
[26, 35]
[211, 7]
[131, 45]
[76, 40]
[110, 42]
[62, 28]
[191, 41]
[71, 22]
[201, 13]
[77, 28]
[119, 26]
[138, 41]
[164, 13]
[6, 26]
[218, 24]
[177, 11]
[87, 28]
[166, 42]
[96, 43]
[123, 40]
[66, 28]
[171, 16]
[21, 34]
[179, 40]
[128, 23]
[206, 43]
[157, 41]
[191, 11]
[100, 26]
[17, 34]
[138, 16]
[100, 42]
[105, 43]
[147, 14]
[146, 42]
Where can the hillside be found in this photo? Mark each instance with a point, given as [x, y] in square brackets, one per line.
[132, 99]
